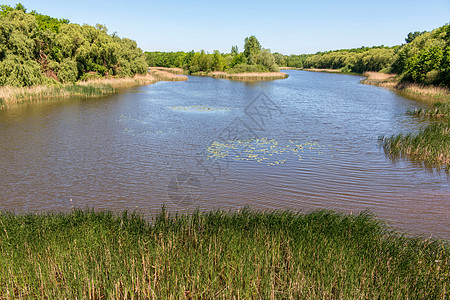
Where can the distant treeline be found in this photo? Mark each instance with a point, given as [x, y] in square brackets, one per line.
[425, 59]
[38, 49]
[254, 58]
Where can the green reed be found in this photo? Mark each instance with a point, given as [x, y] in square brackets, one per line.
[88, 90]
[431, 145]
[208, 255]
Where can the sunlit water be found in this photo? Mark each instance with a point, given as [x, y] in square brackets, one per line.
[304, 143]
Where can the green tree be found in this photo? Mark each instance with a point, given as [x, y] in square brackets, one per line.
[19, 6]
[234, 50]
[68, 71]
[412, 35]
[266, 59]
[15, 71]
[218, 61]
[252, 48]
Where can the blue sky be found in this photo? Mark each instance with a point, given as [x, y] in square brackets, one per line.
[289, 27]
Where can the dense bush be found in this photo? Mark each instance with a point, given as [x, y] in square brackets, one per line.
[426, 58]
[16, 71]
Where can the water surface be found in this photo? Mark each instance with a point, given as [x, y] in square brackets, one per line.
[304, 143]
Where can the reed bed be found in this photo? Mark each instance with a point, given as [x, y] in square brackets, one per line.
[440, 110]
[431, 145]
[89, 89]
[216, 255]
[12, 95]
[176, 71]
[425, 92]
[249, 76]
[324, 70]
[166, 75]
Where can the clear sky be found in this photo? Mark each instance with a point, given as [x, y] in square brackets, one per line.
[289, 27]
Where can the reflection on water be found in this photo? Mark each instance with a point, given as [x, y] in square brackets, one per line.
[307, 142]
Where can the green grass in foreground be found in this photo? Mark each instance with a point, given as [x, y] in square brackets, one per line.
[242, 255]
[431, 145]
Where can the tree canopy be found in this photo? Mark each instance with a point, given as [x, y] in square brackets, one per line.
[36, 49]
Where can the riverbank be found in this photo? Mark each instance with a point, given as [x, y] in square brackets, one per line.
[410, 90]
[89, 89]
[247, 254]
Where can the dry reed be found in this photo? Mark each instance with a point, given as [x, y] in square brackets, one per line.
[249, 76]
[91, 88]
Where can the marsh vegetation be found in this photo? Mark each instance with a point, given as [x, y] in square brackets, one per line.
[246, 254]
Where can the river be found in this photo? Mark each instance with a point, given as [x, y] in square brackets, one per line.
[304, 143]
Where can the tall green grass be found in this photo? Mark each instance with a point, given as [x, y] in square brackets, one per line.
[440, 110]
[89, 90]
[431, 145]
[243, 255]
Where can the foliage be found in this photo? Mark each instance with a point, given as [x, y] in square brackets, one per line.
[15, 71]
[35, 46]
[266, 59]
[252, 48]
[431, 145]
[412, 35]
[426, 59]
[357, 60]
[68, 71]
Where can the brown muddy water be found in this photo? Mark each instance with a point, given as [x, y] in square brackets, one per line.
[304, 143]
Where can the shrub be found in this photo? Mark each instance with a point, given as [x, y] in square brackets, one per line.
[68, 71]
[15, 71]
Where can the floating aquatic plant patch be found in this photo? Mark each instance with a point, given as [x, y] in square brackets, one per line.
[200, 108]
[263, 150]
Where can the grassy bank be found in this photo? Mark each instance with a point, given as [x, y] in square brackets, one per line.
[89, 89]
[216, 255]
